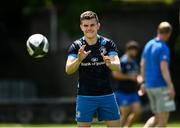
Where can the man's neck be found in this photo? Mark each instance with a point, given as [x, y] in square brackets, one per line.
[91, 41]
[159, 37]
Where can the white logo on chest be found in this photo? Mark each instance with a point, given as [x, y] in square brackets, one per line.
[94, 59]
[102, 50]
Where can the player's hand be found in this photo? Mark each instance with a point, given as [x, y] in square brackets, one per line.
[142, 90]
[171, 92]
[139, 79]
[82, 54]
[106, 59]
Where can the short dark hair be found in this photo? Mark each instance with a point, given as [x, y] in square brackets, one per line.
[132, 44]
[164, 28]
[87, 15]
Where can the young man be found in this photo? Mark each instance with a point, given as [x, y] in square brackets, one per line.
[158, 83]
[94, 57]
[127, 91]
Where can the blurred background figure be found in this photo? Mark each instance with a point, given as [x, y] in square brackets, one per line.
[127, 90]
[155, 71]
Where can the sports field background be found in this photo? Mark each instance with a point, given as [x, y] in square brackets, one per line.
[40, 86]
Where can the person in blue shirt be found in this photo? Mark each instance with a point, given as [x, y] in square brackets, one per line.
[127, 89]
[94, 57]
[157, 79]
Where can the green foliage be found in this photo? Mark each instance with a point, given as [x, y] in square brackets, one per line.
[70, 19]
[69, 11]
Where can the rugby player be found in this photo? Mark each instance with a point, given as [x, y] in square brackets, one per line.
[128, 85]
[94, 56]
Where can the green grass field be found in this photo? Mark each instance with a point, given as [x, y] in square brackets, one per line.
[170, 125]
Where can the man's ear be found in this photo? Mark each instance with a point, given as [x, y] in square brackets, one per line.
[99, 25]
[81, 27]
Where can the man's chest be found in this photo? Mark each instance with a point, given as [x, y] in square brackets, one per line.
[96, 53]
[130, 68]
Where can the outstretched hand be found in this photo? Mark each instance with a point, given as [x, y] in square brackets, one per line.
[82, 54]
[106, 59]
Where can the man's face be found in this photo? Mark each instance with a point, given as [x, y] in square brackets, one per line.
[167, 36]
[90, 28]
[133, 53]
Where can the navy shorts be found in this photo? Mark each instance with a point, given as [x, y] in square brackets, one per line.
[126, 99]
[104, 106]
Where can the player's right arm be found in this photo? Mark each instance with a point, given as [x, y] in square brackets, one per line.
[121, 76]
[142, 68]
[72, 63]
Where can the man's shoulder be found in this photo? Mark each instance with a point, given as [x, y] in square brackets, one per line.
[150, 42]
[78, 42]
[155, 44]
[104, 40]
[161, 46]
[164, 46]
[124, 59]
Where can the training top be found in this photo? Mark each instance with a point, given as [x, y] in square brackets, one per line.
[154, 52]
[94, 75]
[131, 68]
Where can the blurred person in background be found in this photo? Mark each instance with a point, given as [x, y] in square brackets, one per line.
[127, 91]
[157, 79]
[94, 56]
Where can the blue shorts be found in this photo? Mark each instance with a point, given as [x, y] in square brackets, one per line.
[126, 99]
[105, 107]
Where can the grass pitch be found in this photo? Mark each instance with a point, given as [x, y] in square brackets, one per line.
[170, 125]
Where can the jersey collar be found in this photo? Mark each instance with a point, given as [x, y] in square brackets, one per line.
[98, 40]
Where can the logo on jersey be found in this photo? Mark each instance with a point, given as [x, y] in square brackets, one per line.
[128, 66]
[164, 57]
[94, 59]
[102, 50]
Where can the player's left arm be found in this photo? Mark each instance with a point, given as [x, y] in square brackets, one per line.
[164, 66]
[167, 77]
[112, 62]
[111, 59]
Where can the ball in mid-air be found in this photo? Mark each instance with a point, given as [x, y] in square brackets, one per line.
[37, 45]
